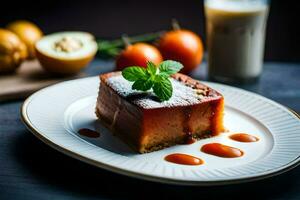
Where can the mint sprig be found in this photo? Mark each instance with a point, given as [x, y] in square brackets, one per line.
[155, 77]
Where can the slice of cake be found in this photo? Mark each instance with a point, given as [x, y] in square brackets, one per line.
[146, 124]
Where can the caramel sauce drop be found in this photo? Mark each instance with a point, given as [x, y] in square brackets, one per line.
[190, 140]
[243, 137]
[89, 133]
[221, 150]
[183, 159]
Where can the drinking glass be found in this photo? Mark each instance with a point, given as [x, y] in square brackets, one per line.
[235, 31]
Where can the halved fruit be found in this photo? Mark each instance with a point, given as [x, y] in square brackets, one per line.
[66, 52]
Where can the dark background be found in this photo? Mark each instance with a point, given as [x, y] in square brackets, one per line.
[111, 18]
[29, 169]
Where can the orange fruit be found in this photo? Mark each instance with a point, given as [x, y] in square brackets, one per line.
[183, 46]
[12, 51]
[28, 32]
[137, 55]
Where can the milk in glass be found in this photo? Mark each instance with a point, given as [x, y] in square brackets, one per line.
[235, 38]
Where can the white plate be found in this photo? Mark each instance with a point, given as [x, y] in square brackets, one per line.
[56, 113]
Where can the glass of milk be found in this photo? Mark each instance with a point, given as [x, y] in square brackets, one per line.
[235, 38]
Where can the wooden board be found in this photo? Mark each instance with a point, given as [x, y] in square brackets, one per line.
[29, 78]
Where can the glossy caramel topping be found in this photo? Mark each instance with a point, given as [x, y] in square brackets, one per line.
[221, 150]
[243, 137]
[186, 127]
[89, 133]
[183, 159]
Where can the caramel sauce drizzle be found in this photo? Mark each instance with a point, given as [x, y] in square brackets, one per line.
[190, 139]
[186, 128]
[183, 159]
[243, 137]
[221, 150]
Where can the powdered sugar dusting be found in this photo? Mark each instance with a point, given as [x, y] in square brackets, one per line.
[182, 95]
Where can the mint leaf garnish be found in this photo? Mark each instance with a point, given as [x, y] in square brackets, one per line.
[169, 67]
[163, 89]
[143, 84]
[155, 77]
[151, 68]
[134, 73]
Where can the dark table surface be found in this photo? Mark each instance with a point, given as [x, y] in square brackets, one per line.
[29, 169]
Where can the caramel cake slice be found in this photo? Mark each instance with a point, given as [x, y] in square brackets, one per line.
[146, 124]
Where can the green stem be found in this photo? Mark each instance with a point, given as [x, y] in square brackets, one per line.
[111, 48]
[126, 40]
[175, 25]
